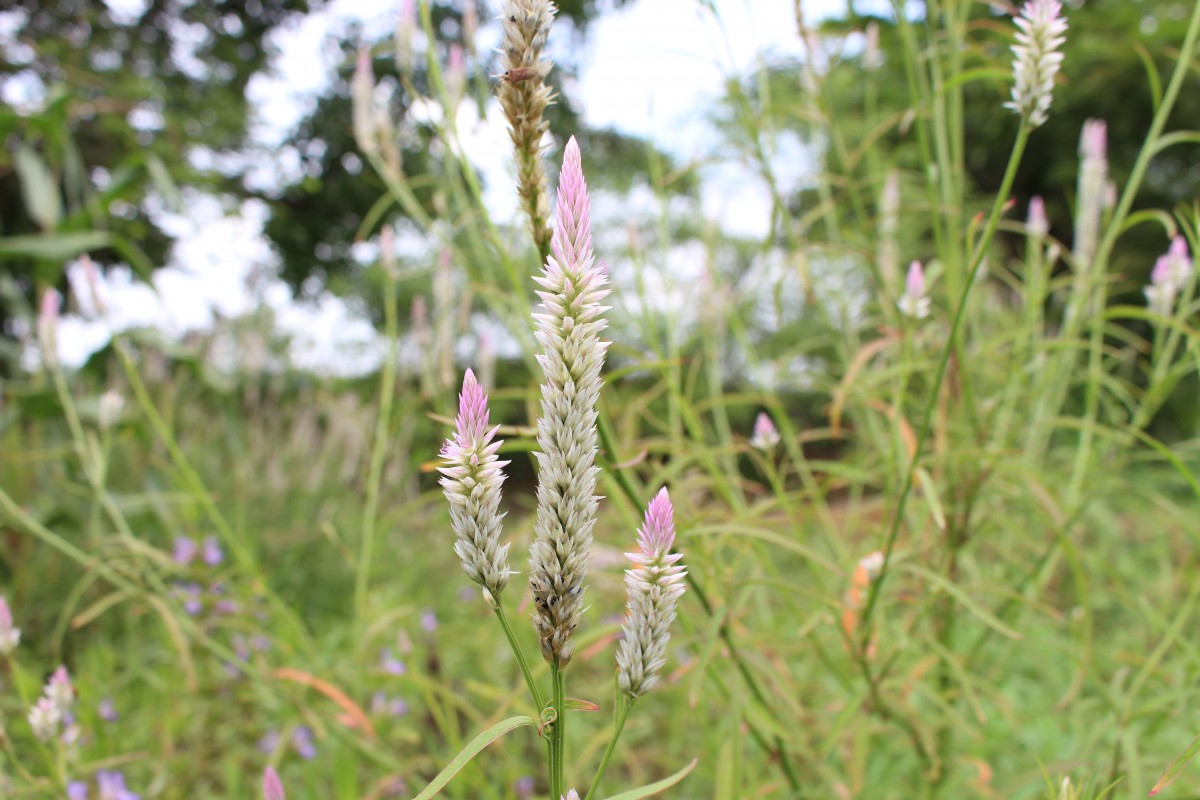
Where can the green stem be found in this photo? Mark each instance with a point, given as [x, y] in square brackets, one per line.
[622, 715]
[387, 393]
[557, 733]
[1010, 174]
[516, 648]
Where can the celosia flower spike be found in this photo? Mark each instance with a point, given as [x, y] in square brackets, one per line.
[654, 587]
[1036, 223]
[568, 328]
[766, 435]
[1168, 278]
[10, 636]
[1093, 173]
[914, 302]
[524, 95]
[471, 479]
[272, 787]
[1042, 28]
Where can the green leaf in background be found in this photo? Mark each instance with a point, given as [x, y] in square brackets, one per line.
[38, 188]
[53, 246]
[652, 789]
[474, 748]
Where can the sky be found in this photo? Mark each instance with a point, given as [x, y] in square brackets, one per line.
[652, 68]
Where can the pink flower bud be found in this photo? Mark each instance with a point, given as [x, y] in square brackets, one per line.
[766, 435]
[1037, 224]
[272, 787]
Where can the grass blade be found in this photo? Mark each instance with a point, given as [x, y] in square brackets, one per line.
[473, 748]
[652, 789]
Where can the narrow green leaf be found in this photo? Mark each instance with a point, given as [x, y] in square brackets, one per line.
[654, 788]
[38, 188]
[473, 748]
[981, 613]
[930, 493]
[53, 247]
[1177, 766]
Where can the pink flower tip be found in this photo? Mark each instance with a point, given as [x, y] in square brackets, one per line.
[658, 532]
[914, 284]
[472, 408]
[1037, 222]
[272, 786]
[1179, 249]
[1094, 142]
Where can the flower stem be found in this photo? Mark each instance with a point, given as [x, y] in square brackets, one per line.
[516, 648]
[626, 705]
[557, 732]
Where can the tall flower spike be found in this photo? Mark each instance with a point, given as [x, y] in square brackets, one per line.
[471, 479]
[654, 586]
[568, 329]
[524, 96]
[1037, 59]
[1093, 174]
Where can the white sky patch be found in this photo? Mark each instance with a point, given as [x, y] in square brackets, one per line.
[652, 69]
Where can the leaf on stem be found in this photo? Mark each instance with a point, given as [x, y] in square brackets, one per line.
[473, 748]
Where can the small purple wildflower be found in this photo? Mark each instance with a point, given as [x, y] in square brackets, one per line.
[227, 607]
[524, 787]
[107, 710]
[382, 705]
[186, 550]
[190, 593]
[111, 786]
[77, 790]
[429, 621]
[213, 555]
[302, 741]
[390, 664]
[269, 743]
